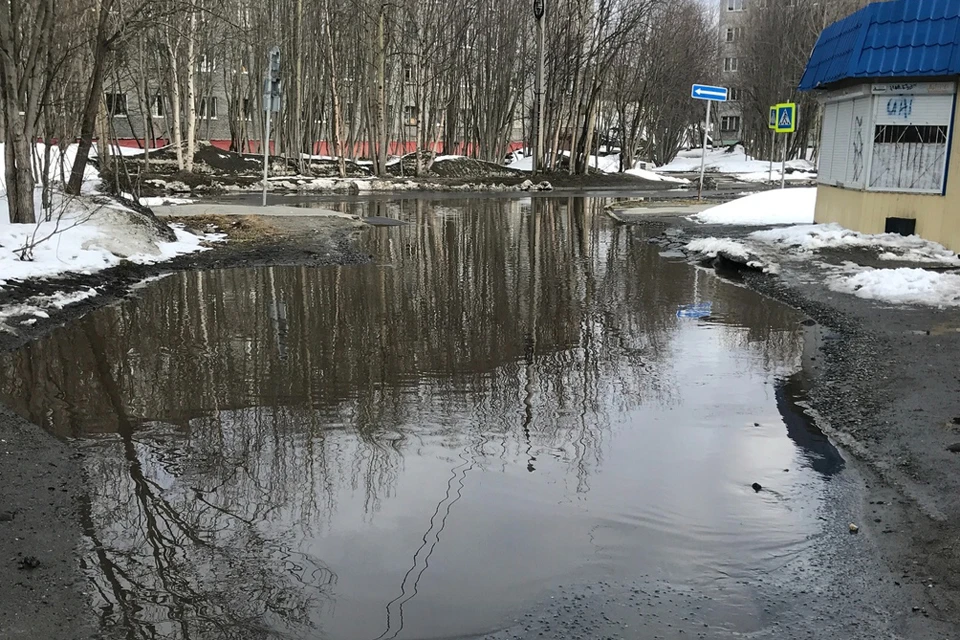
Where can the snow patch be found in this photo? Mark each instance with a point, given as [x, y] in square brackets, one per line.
[735, 161]
[814, 237]
[36, 306]
[713, 247]
[779, 206]
[655, 177]
[902, 286]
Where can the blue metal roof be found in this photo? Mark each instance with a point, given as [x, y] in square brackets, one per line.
[896, 39]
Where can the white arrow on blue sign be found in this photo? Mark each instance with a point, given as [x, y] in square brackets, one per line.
[706, 92]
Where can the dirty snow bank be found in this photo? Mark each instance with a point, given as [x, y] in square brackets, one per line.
[86, 241]
[656, 177]
[708, 248]
[778, 206]
[890, 246]
[712, 247]
[87, 234]
[735, 161]
[36, 306]
[770, 249]
[902, 286]
[604, 164]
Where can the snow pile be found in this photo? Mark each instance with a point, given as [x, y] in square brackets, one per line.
[902, 286]
[734, 161]
[88, 239]
[717, 160]
[815, 237]
[713, 247]
[707, 248]
[604, 164]
[646, 174]
[780, 206]
[765, 176]
[157, 201]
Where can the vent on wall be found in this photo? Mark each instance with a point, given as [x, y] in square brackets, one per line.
[902, 226]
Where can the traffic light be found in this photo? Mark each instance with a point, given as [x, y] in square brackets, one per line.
[275, 64]
[272, 85]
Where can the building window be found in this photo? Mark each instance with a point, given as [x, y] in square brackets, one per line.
[735, 95]
[730, 123]
[763, 4]
[156, 106]
[909, 157]
[410, 114]
[731, 64]
[408, 74]
[246, 111]
[207, 108]
[734, 34]
[207, 64]
[116, 104]
[735, 5]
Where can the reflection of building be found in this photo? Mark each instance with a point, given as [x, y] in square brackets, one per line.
[888, 76]
[733, 18]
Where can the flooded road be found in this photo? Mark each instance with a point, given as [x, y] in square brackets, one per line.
[505, 405]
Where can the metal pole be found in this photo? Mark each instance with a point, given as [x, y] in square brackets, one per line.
[538, 138]
[266, 152]
[773, 151]
[703, 158]
[783, 167]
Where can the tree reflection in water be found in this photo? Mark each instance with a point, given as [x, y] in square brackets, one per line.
[225, 412]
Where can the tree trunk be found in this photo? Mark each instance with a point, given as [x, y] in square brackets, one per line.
[335, 93]
[88, 124]
[191, 97]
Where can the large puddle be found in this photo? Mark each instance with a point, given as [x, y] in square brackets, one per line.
[505, 403]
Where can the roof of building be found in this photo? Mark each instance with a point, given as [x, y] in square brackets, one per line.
[896, 39]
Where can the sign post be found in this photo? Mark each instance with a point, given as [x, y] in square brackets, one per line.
[271, 104]
[773, 139]
[539, 11]
[786, 123]
[710, 94]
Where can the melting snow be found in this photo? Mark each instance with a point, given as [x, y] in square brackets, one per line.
[902, 286]
[778, 206]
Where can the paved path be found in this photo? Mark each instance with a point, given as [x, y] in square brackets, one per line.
[216, 209]
[637, 213]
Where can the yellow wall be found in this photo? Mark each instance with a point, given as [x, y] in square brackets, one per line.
[938, 217]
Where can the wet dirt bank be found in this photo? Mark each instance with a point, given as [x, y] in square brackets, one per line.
[883, 385]
[42, 594]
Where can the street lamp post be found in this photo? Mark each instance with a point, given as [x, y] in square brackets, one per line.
[539, 14]
[271, 104]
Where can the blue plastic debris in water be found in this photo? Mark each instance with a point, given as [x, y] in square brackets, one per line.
[697, 310]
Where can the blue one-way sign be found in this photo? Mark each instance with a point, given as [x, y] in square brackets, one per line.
[706, 92]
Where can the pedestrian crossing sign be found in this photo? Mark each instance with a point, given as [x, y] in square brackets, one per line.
[786, 118]
[773, 118]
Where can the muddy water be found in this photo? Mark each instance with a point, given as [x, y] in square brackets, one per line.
[504, 404]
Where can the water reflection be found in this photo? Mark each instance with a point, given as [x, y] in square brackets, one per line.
[411, 448]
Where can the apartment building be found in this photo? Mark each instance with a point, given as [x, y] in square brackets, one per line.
[733, 21]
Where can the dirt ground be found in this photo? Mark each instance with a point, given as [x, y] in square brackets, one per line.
[218, 171]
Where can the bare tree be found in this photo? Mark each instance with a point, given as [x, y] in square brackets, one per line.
[25, 37]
